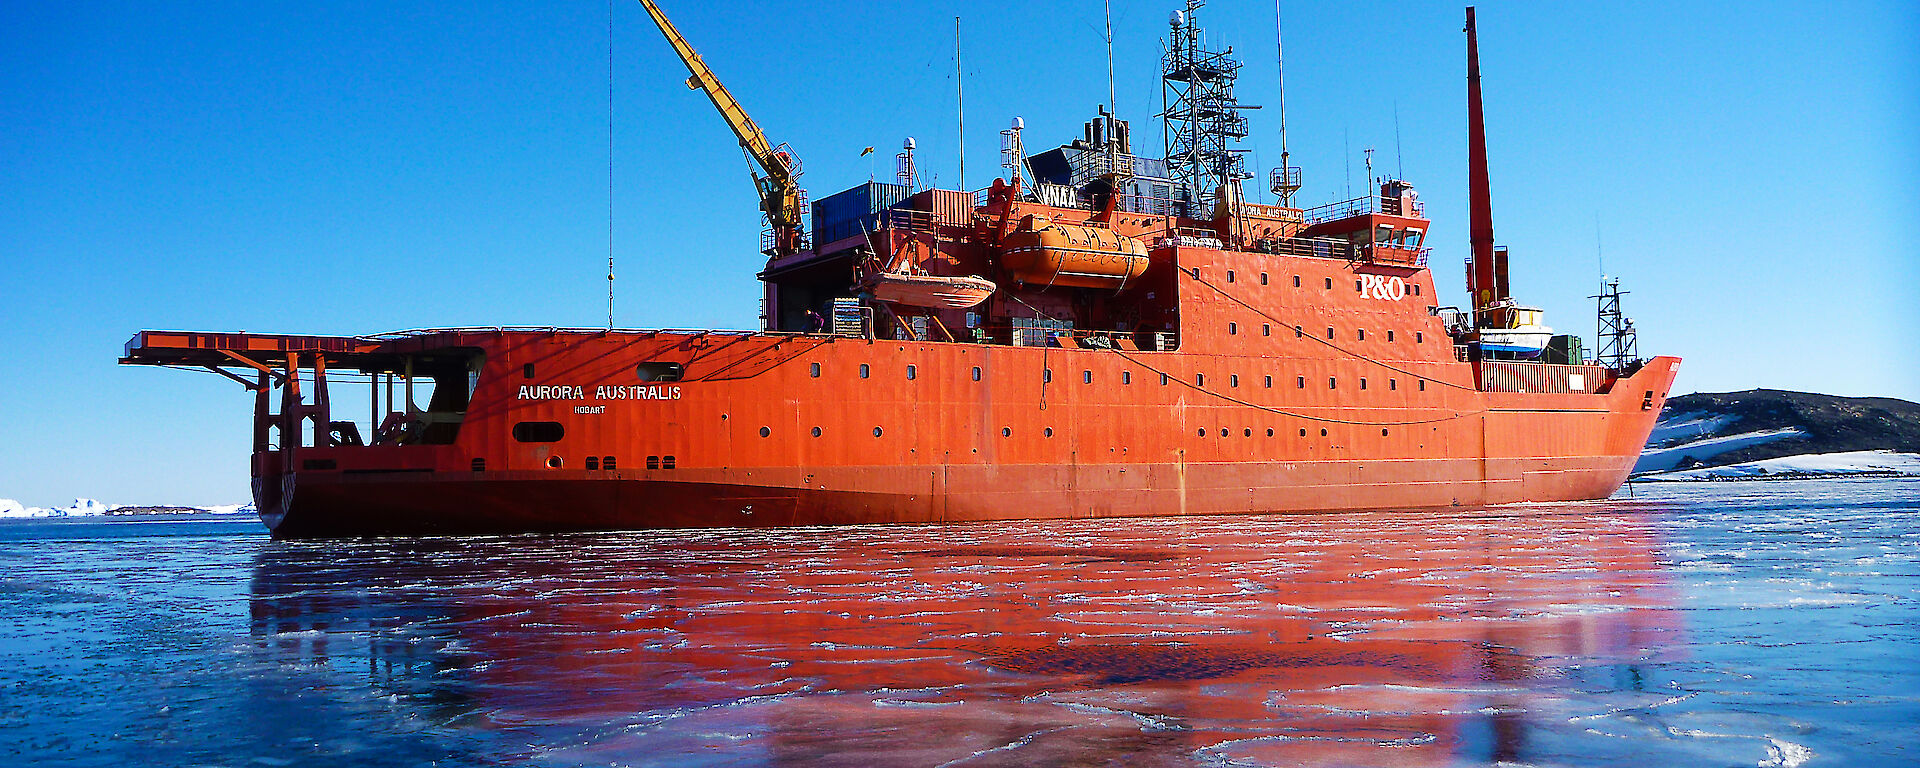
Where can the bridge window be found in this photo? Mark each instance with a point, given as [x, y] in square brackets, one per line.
[539, 431]
[660, 371]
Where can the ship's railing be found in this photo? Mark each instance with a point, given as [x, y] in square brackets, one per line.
[1380, 253]
[1361, 206]
[1317, 247]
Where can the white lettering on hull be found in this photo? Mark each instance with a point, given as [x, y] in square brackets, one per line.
[602, 392]
[1383, 287]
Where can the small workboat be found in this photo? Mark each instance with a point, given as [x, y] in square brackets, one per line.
[938, 291]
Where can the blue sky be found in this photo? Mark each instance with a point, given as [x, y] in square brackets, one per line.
[351, 168]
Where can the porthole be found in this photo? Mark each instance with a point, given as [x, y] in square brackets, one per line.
[865, 371]
[766, 432]
[1248, 432]
[1383, 432]
[1202, 432]
[1269, 431]
[1323, 433]
[653, 462]
[1303, 433]
[816, 431]
[1048, 431]
[876, 431]
[1223, 431]
[1006, 431]
[554, 462]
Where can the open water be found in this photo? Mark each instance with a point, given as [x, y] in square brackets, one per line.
[1721, 624]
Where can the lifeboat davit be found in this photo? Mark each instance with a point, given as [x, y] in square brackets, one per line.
[1044, 253]
[937, 291]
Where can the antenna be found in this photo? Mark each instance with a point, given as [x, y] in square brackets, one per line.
[1284, 180]
[609, 165]
[1110, 96]
[960, 103]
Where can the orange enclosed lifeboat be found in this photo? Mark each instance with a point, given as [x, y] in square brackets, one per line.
[1044, 253]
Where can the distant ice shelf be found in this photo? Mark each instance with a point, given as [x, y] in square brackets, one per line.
[91, 508]
[1849, 463]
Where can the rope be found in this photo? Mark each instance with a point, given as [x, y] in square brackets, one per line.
[1343, 350]
[1237, 401]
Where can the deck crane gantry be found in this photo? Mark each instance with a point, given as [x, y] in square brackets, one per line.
[780, 195]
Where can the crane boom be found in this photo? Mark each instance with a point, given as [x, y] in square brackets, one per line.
[779, 193]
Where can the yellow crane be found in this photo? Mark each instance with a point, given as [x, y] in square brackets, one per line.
[779, 194]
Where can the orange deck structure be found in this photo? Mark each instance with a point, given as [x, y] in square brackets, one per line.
[1137, 355]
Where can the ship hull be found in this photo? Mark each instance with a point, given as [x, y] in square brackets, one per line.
[455, 503]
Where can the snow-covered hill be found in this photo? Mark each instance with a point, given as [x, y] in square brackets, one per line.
[90, 507]
[1845, 464]
[1745, 432]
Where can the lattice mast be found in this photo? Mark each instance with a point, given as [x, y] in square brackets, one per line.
[1201, 117]
[1619, 342]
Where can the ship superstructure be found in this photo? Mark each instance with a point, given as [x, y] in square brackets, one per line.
[1089, 336]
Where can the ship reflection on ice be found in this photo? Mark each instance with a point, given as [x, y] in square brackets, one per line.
[1410, 639]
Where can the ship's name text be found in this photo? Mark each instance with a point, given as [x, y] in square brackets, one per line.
[602, 392]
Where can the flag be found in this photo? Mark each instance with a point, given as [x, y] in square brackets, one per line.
[867, 151]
